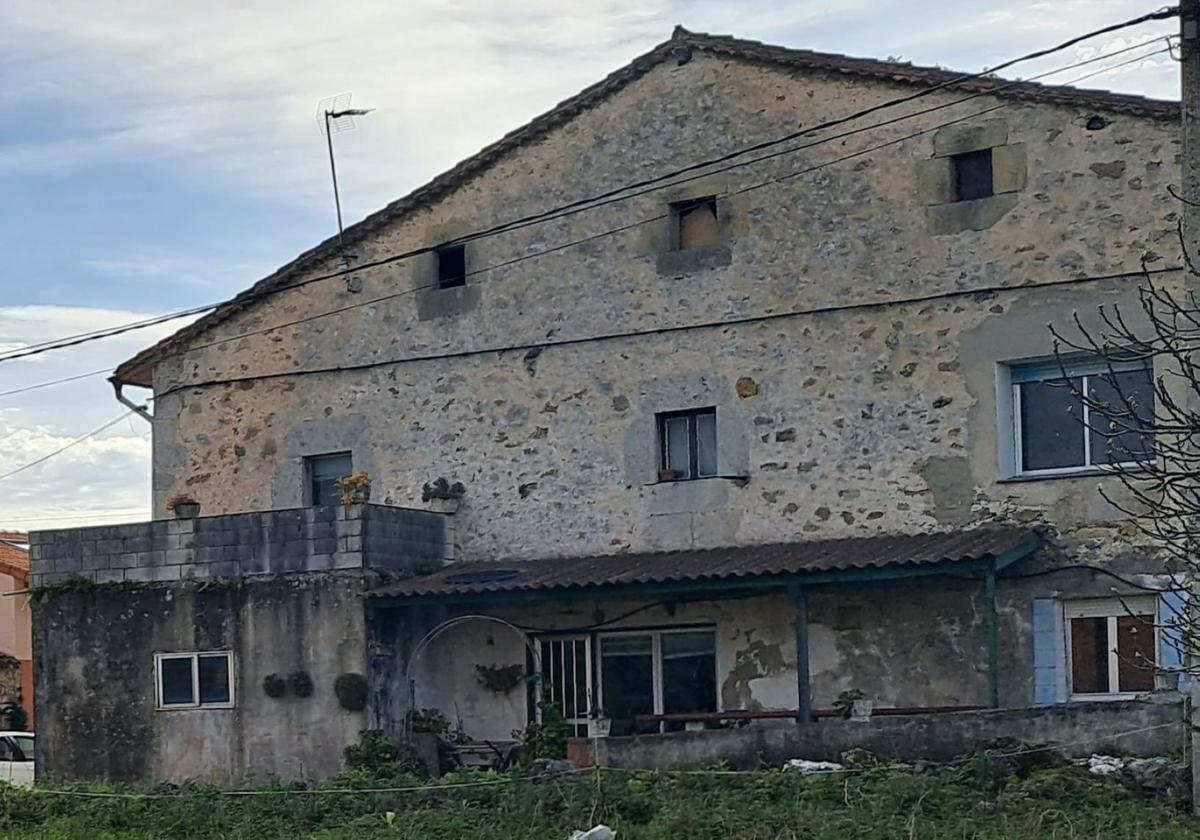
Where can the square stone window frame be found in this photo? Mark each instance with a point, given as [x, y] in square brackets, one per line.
[661, 237]
[935, 178]
[432, 300]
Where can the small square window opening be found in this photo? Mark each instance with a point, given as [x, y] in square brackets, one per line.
[687, 444]
[451, 266]
[194, 680]
[323, 473]
[695, 224]
[972, 175]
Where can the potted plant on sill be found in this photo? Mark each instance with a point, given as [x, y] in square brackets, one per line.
[667, 474]
[853, 704]
[443, 496]
[355, 489]
[183, 506]
[598, 725]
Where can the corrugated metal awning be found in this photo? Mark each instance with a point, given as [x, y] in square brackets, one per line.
[858, 558]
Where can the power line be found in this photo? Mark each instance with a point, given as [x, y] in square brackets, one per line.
[574, 243]
[63, 449]
[25, 388]
[730, 322]
[629, 226]
[579, 205]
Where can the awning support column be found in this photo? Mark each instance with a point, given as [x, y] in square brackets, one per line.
[803, 685]
[992, 628]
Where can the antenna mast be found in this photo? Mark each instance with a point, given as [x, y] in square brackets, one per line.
[334, 114]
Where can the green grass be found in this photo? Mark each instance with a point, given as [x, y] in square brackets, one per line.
[770, 805]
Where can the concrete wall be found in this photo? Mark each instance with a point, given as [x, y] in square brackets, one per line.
[847, 420]
[315, 539]
[1128, 727]
[96, 703]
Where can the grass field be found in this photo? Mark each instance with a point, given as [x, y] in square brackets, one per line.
[972, 802]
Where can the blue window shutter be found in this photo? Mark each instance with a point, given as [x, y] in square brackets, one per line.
[1045, 653]
[1172, 620]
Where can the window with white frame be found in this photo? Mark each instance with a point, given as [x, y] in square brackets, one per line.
[659, 672]
[1057, 431]
[194, 680]
[1112, 646]
[687, 444]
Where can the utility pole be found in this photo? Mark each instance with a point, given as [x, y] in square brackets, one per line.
[1189, 64]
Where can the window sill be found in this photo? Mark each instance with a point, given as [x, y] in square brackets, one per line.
[1086, 472]
[207, 707]
[740, 480]
[1106, 698]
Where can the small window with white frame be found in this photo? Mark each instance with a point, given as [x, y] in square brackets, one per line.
[194, 680]
[1057, 431]
[1112, 647]
[687, 444]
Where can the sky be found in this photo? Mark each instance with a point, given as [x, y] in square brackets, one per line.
[157, 156]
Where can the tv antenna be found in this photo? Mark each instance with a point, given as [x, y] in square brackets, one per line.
[334, 115]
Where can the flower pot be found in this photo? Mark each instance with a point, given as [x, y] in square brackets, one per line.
[862, 709]
[599, 727]
[187, 510]
[668, 475]
[444, 505]
[1166, 681]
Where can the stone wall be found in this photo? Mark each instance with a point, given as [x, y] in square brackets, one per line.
[1126, 727]
[96, 699]
[318, 539]
[849, 345]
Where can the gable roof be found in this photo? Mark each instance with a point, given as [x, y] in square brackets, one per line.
[138, 370]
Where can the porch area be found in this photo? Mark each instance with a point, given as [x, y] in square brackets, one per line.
[707, 642]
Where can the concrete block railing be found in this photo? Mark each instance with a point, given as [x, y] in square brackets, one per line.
[318, 539]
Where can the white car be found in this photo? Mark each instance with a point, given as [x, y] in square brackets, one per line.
[16, 758]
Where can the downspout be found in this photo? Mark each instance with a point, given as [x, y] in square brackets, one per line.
[139, 410]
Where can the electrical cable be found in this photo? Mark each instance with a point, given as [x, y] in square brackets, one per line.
[561, 342]
[63, 449]
[1092, 568]
[248, 297]
[25, 388]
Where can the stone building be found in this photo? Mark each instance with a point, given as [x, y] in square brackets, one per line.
[734, 444]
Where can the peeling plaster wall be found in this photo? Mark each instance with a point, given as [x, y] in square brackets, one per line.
[96, 681]
[873, 419]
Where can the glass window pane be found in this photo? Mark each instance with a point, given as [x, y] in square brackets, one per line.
[1051, 424]
[675, 448]
[689, 672]
[214, 679]
[1130, 394]
[324, 471]
[1089, 655]
[176, 675]
[1135, 652]
[706, 444]
[627, 665]
[24, 743]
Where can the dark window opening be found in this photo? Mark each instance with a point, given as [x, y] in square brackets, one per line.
[972, 175]
[657, 673]
[695, 224]
[1060, 430]
[627, 666]
[687, 444]
[1114, 650]
[1089, 655]
[177, 688]
[323, 473]
[451, 266]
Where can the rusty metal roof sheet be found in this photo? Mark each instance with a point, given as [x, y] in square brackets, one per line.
[713, 564]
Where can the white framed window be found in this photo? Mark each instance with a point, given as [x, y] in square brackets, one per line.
[1055, 431]
[323, 472]
[657, 672]
[202, 680]
[1112, 647]
[687, 444]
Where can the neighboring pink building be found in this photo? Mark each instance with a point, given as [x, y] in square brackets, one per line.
[16, 626]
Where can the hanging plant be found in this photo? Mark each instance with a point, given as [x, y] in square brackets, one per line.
[351, 691]
[274, 686]
[300, 683]
[500, 679]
